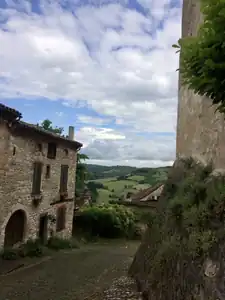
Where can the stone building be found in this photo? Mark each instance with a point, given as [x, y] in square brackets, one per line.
[200, 131]
[37, 180]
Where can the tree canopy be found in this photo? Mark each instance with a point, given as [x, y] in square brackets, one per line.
[202, 61]
[47, 125]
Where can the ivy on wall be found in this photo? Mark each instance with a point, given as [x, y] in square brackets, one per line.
[202, 60]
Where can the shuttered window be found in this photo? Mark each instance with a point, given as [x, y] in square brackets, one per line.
[64, 178]
[61, 218]
[36, 187]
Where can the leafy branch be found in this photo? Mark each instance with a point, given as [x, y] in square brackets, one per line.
[202, 60]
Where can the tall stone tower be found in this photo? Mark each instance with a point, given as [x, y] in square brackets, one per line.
[200, 131]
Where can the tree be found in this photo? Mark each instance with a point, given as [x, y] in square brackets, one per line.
[47, 125]
[202, 58]
[81, 173]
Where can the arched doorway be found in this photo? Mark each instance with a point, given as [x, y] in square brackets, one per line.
[14, 230]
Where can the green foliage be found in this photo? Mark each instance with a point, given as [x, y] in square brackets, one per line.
[47, 125]
[125, 172]
[9, 254]
[32, 248]
[188, 228]
[57, 243]
[81, 173]
[107, 221]
[202, 62]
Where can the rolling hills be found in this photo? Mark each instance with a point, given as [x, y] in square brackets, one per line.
[116, 181]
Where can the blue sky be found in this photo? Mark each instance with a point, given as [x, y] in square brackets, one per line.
[106, 67]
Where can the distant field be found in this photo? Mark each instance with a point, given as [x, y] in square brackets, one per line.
[104, 180]
[115, 189]
[136, 177]
[103, 196]
[119, 187]
[142, 186]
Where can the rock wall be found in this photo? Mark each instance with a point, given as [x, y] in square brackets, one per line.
[17, 156]
[200, 131]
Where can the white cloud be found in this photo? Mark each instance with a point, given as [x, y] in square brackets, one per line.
[108, 146]
[59, 114]
[92, 120]
[100, 56]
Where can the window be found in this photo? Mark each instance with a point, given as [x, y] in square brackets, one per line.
[61, 218]
[48, 172]
[51, 150]
[66, 152]
[36, 188]
[39, 147]
[64, 178]
[14, 151]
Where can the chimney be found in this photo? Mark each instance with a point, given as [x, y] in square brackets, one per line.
[71, 133]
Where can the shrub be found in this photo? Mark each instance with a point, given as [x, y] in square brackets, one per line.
[31, 248]
[187, 230]
[9, 254]
[56, 243]
[107, 221]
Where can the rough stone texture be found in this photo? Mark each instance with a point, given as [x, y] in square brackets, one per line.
[200, 131]
[16, 175]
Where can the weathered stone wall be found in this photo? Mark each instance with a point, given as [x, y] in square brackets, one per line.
[16, 182]
[200, 131]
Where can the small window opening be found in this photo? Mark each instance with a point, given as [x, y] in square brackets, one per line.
[39, 147]
[37, 173]
[61, 218]
[64, 178]
[48, 171]
[66, 152]
[14, 151]
[51, 150]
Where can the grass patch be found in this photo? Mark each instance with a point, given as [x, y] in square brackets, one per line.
[119, 186]
[103, 196]
[136, 178]
[142, 186]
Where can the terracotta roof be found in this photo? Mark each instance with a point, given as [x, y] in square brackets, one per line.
[40, 130]
[15, 114]
[145, 192]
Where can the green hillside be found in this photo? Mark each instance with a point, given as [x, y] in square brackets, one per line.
[99, 172]
[115, 182]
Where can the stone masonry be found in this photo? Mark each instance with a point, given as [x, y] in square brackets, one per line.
[21, 145]
[200, 131]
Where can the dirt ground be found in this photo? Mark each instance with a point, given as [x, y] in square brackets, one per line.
[80, 274]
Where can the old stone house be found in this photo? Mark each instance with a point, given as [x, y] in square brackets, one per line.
[37, 180]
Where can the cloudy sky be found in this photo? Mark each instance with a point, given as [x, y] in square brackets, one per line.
[105, 66]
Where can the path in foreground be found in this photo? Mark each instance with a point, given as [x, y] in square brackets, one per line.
[93, 272]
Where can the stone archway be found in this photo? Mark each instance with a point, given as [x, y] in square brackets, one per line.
[15, 228]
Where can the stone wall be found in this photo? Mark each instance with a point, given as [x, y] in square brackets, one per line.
[200, 131]
[17, 155]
